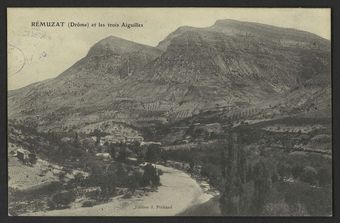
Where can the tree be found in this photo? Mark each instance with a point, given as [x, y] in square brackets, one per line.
[97, 134]
[164, 156]
[105, 177]
[309, 175]
[297, 171]
[325, 176]
[106, 182]
[62, 199]
[61, 176]
[192, 166]
[76, 139]
[261, 186]
[121, 174]
[135, 147]
[150, 176]
[134, 181]
[274, 177]
[280, 208]
[79, 178]
[112, 150]
[283, 170]
[153, 153]
[122, 153]
[234, 169]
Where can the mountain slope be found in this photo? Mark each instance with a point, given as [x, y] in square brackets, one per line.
[239, 61]
[230, 64]
[90, 79]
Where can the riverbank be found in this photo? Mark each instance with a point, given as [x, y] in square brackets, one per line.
[178, 193]
[208, 208]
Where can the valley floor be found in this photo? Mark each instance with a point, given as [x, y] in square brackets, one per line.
[177, 193]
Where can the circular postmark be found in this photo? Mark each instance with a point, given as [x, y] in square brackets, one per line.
[16, 59]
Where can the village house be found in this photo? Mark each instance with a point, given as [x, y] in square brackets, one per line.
[119, 138]
[143, 144]
[135, 139]
[111, 139]
[26, 156]
[208, 129]
[104, 156]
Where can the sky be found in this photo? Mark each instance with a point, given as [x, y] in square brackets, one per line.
[39, 53]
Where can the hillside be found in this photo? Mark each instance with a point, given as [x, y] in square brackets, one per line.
[230, 64]
[89, 84]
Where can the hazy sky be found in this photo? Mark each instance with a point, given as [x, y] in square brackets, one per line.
[36, 54]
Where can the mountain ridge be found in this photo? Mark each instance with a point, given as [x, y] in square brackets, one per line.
[191, 70]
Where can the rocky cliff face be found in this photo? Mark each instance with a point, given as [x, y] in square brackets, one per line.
[240, 61]
[240, 52]
[232, 63]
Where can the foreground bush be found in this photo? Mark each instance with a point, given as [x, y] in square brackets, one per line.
[61, 199]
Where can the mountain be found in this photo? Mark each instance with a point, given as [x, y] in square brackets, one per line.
[231, 64]
[234, 61]
[83, 85]
[232, 27]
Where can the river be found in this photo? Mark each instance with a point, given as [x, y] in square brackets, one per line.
[178, 193]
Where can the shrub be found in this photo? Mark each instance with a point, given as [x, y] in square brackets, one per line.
[94, 195]
[297, 171]
[283, 170]
[276, 209]
[89, 203]
[309, 175]
[314, 201]
[134, 181]
[160, 172]
[213, 172]
[325, 176]
[63, 198]
[150, 176]
[153, 153]
[281, 208]
[299, 209]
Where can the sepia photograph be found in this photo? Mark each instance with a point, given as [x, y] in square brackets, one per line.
[169, 112]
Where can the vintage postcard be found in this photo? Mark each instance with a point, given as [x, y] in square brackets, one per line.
[169, 112]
